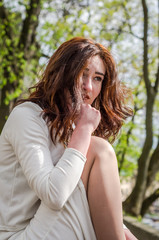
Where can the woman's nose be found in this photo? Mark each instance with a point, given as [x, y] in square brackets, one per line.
[87, 84]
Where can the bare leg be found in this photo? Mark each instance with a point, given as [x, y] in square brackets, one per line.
[101, 180]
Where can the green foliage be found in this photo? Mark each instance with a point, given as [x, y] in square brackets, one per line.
[15, 63]
[127, 151]
[11, 96]
[157, 176]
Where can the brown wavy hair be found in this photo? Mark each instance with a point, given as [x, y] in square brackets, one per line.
[61, 76]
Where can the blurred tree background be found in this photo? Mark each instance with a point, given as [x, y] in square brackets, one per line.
[31, 30]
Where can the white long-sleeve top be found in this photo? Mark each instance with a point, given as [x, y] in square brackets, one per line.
[32, 168]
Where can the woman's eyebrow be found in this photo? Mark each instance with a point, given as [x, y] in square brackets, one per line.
[99, 73]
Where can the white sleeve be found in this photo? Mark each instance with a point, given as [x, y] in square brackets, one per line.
[28, 136]
[124, 226]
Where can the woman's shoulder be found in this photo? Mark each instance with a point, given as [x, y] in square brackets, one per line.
[25, 117]
[26, 110]
[25, 114]
[28, 106]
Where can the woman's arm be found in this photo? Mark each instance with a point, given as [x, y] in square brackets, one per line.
[28, 135]
[87, 122]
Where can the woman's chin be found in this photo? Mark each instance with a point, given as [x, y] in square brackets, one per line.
[88, 101]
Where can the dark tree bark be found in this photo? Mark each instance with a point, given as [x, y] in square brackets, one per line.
[26, 40]
[30, 23]
[148, 201]
[153, 166]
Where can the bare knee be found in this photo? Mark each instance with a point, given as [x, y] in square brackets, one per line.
[101, 152]
[102, 149]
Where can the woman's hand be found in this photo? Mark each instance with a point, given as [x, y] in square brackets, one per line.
[129, 235]
[89, 117]
[86, 123]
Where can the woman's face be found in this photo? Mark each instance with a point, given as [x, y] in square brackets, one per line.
[91, 79]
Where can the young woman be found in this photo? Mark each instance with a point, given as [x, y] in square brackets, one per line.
[58, 173]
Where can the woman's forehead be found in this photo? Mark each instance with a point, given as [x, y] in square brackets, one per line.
[96, 63]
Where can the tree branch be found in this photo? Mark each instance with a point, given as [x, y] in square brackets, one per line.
[157, 74]
[128, 23]
[29, 26]
[157, 79]
[145, 41]
[148, 201]
[129, 132]
[133, 34]
[4, 17]
[153, 166]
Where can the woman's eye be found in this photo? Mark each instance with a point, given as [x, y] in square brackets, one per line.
[99, 79]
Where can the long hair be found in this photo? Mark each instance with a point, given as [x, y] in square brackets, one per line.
[62, 75]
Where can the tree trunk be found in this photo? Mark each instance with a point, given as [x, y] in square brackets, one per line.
[153, 166]
[133, 203]
[13, 66]
[4, 110]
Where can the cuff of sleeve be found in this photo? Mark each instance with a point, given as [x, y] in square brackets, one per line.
[77, 153]
[125, 227]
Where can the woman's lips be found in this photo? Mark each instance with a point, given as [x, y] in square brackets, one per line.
[85, 97]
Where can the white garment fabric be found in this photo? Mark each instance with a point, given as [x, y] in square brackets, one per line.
[72, 222]
[41, 194]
